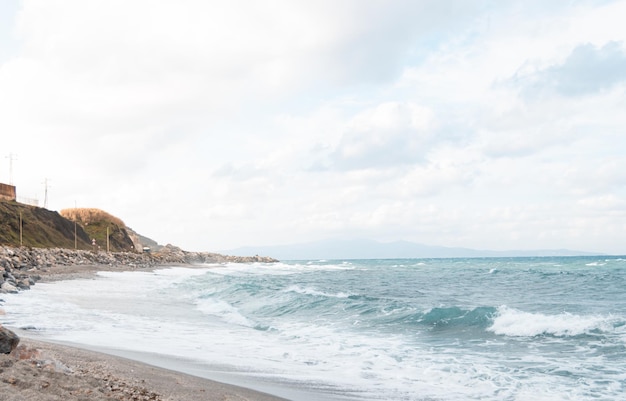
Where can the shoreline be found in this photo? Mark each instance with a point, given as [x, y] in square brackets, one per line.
[42, 370]
[90, 271]
[22, 267]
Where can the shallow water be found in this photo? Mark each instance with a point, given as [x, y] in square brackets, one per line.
[437, 329]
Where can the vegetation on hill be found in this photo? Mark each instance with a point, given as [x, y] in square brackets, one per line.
[98, 224]
[86, 216]
[71, 228]
[40, 228]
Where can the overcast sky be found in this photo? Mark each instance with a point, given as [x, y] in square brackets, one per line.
[217, 124]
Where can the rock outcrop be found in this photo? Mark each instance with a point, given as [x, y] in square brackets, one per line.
[8, 340]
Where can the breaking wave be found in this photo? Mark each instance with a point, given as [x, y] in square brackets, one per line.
[512, 322]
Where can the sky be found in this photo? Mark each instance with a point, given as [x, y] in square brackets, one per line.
[216, 124]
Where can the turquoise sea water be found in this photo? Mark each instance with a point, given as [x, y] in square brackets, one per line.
[410, 329]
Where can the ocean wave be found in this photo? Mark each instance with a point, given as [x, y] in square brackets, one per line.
[276, 269]
[224, 311]
[312, 291]
[182, 272]
[516, 323]
[595, 264]
[455, 316]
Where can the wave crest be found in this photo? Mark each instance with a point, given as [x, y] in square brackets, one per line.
[312, 291]
[455, 316]
[224, 311]
[516, 323]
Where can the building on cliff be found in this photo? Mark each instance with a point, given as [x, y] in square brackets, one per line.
[7, 192]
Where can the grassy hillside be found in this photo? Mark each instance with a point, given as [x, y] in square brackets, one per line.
[97, 223]
[41, 228]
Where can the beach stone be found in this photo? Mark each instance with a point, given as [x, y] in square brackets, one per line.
[8, 340]
[7, 287]
[23, 284]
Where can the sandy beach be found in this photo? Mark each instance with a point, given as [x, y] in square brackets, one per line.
[39, 370]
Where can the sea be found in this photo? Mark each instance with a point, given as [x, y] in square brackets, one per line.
[546, 328]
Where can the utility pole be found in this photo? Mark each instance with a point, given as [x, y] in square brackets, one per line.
[75, 219]
[45, 197]
[107, 239]
[11, 157]
[21, 221]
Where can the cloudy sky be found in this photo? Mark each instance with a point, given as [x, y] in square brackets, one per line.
[217, 124]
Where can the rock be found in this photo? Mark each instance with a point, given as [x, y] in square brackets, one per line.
[23, 284]
[7, 287]
[8, 340]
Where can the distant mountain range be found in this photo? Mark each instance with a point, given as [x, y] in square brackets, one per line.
[368, 249]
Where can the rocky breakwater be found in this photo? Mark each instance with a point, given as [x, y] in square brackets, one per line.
[20, 268]
[173, 254]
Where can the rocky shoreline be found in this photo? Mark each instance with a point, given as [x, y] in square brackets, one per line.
[21, 267]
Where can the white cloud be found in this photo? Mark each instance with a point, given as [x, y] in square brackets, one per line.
[390, 134]
[605, 203]
[586, 70]
[218, 124]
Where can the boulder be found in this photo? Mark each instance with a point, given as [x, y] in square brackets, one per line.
[7, 287]
[8, 340]
[23, 284]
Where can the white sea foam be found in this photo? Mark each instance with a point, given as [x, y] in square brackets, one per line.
[513, 322]
[224, 311]
[277, 269]
[313, 291]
